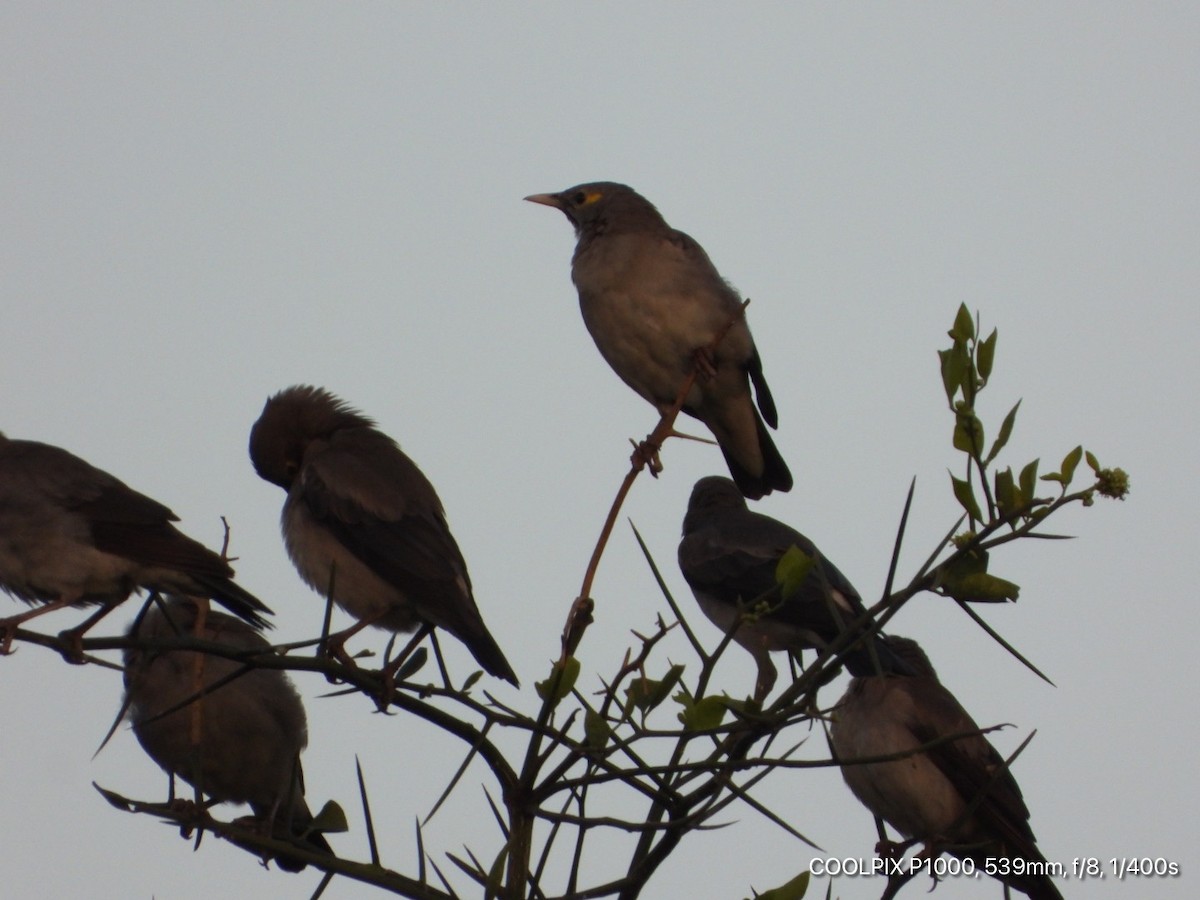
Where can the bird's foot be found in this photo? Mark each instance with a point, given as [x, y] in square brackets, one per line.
[646, 454]
[72, 649]
[406, 663]
[387, 691]
[334, 648]
[8, 631]
[930, 852]
[886, 849]
[188, 809]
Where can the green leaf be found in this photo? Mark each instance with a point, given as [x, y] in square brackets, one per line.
[1008, 497]
[968, 432]
[955, 366]
[330, 820]
[966, 498]
[1070, 461]
[702, 714]
[647, 693]
[559, 682]
[964, 325]
[791, 570]
[1006, 428]
[980, 587]
[471, 679]
[596, 729]
[1028, 480]
[970, 562]
[415, 663]
[793, 890]
[985, 355]
[1092, 462]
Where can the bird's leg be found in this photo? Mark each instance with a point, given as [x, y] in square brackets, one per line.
[74, 636]
[390, 668]
[8, 627]
[767, 674]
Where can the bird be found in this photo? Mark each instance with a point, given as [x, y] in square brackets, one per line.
[957, 796]
[239, 742]
[363, 522]
[654, 302]
[73, 535]
[729, 555]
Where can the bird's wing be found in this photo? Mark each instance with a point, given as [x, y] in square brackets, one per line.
[380, 506]
[762, 393]
[58, 477]
[732, 560]
[376, 502]
[122, 521]
[735, 559]
[696, 259]
[972, 765]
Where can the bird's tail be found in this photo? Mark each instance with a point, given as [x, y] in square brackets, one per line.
[1036, 887]
[301, 819]
[775, 475]
[236, 599]
[489, 655]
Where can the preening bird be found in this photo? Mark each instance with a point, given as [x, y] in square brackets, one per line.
[233, 732]
[654, 302]
[362, 521]
[73, 535]
[957, 796]
[729, 556]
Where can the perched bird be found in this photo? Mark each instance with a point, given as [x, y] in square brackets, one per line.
[957, 796]
[654, 302]
[73, 535]
[729, 557]
[240, 741]
[361, 520]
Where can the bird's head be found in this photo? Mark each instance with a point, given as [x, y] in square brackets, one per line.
[596, 206]
[290, 422]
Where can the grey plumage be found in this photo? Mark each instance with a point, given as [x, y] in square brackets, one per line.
[362, 518]
[729, 556]
[250, 722]
[652, 299]
[73, 535]
[925, 796]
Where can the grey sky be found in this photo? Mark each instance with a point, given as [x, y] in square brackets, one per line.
[202, 204]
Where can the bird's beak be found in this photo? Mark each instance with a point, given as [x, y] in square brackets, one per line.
[546, 200]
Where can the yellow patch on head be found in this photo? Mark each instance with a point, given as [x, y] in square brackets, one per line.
[591, 197]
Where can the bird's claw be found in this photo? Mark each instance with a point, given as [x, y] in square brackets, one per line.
[646, 454]
[886, 849]
[72, 651]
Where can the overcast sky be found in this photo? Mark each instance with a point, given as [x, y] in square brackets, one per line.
[201, 204]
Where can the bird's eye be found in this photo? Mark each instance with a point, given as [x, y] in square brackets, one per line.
[579, 198]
